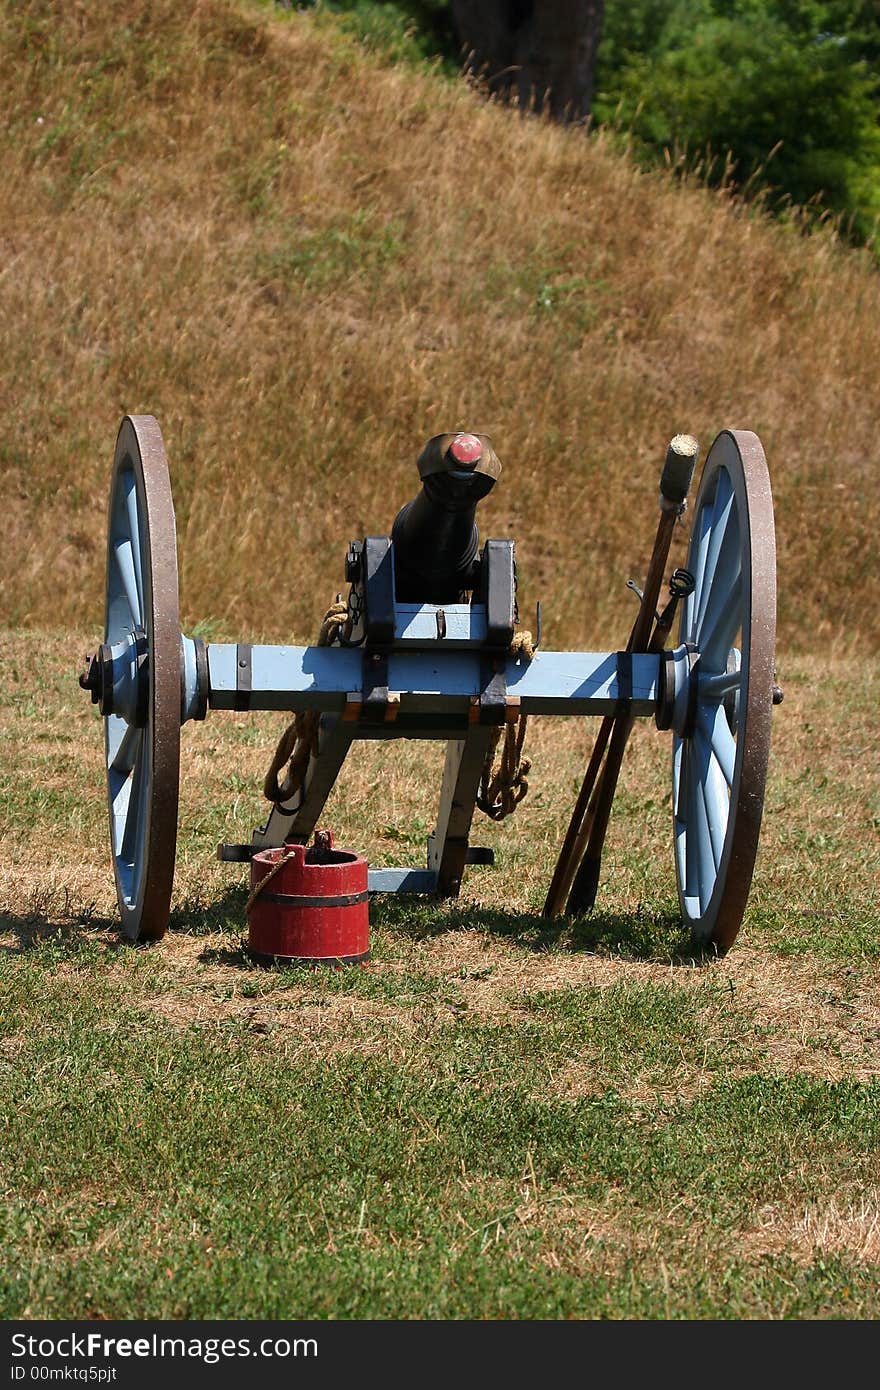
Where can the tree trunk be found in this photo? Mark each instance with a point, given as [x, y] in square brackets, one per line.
[541, 51]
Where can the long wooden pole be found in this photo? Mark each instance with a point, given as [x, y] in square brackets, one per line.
[589, 819]
[595, 827]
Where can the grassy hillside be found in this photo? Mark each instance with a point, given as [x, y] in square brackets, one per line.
[304, 264]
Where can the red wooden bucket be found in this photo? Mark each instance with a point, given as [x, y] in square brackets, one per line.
[314, 907]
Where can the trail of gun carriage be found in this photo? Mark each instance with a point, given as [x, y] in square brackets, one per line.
[487, 922]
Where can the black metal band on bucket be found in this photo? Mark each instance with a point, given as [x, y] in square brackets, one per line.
[266, 959]
[303, 900]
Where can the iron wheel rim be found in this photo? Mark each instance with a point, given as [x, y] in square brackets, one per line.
[143, 761]
[719, 766]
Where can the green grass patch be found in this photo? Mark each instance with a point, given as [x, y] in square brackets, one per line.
[501, 1116]
[228, 1182]
[361, 245]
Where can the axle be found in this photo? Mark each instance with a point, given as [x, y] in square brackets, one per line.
[428, 692]
[449, 685]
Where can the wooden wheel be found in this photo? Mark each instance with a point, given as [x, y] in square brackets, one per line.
[721, 747]
[140, 679]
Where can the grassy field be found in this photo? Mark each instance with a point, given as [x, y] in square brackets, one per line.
[304, 261]
[495, 1118]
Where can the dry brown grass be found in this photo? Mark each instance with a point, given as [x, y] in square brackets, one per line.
[846, 1223]
[581, 1236]
[304, 264]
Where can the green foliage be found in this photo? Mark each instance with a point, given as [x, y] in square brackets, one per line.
[772, 97]
[407, 31]
[777, 95]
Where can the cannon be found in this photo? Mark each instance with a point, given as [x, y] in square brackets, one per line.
[426, 646]
[435, 539]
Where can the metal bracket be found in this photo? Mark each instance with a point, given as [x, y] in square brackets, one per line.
[624, 681]
[480, 854]
[243, 676]
[377, 567]
[498, 573]
[375, 687]
[236, 854]
[203, 680]
[677, 689]
[490, 707]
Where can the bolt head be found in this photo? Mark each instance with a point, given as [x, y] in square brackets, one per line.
[86, 674]
[91, 677]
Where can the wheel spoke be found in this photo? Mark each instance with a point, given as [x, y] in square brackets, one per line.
[716, 686]
[715, 801]
[688, 625]
[717, 806]
[708, 863]
[692, 905]
[707, 520]
[115, 727]
[708, 855]
[119, 784]
[679, 763]
[131, 508]
[712, 722]
[128, 750]
[140, 844]
[122, 554]
[722, 553]
[723, 494]
[136, 810]
[723, 621]
[691, 842]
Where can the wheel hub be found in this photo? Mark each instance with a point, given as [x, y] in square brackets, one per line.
[676, 703]
[118, 678]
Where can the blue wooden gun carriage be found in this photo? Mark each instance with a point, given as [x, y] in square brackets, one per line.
[426, 646]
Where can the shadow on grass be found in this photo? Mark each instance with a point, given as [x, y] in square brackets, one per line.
[45, 924]
[646, 935]
[57, 921]
[201, 916]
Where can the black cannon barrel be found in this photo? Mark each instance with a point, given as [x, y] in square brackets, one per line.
[435, 535]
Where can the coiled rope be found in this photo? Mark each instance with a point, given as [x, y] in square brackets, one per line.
[502, 788]
[300, 739]
[263, 884]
